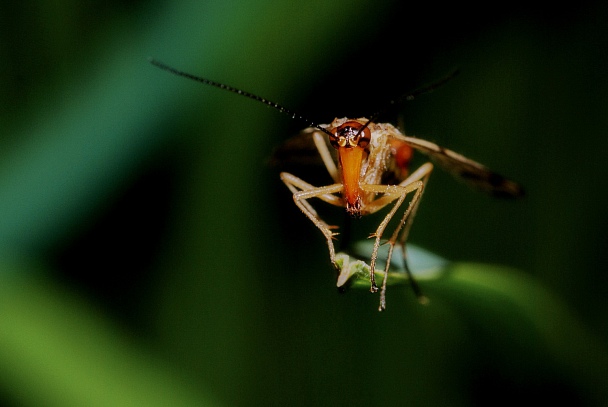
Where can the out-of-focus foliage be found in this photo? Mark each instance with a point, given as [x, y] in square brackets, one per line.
[150, 256]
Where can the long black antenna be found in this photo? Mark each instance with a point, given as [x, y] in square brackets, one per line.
[410, 96]
[267, 102]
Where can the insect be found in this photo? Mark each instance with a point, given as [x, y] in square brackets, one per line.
[367, 154]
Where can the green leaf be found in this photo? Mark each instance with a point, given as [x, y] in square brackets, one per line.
[423, 264]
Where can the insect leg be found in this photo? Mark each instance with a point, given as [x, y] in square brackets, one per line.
[390, 193]
[321, 145]
[302, 191]
[421, 174]
[414, 183]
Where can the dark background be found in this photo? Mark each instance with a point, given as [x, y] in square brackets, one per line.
[150, 255]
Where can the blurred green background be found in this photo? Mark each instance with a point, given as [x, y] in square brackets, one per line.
[150, 256]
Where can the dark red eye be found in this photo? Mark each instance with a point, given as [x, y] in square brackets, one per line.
[364, 138]
[349, 135]
[334, 140]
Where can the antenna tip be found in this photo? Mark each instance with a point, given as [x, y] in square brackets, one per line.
[154, 61]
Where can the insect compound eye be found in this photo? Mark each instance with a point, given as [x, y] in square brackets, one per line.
[336, 140]
[363, 137]
[350, 135]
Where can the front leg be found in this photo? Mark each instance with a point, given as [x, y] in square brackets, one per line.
[302, 191]
[392, 193]
[415, 182]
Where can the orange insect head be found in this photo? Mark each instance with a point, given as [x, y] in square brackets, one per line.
[351, 140]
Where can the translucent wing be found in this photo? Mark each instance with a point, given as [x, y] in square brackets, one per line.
[474, 174]
[299, 151]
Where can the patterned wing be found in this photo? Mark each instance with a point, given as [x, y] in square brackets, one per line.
[474, 174]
